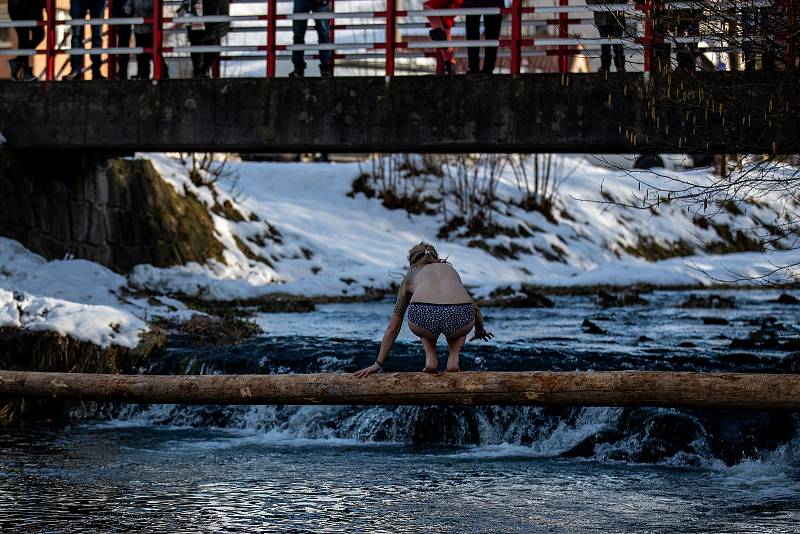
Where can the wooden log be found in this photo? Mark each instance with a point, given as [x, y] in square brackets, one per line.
[608, 388]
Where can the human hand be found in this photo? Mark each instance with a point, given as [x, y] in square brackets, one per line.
[366, 371]
[482, 334]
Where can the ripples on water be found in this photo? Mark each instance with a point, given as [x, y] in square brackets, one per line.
[170, 468]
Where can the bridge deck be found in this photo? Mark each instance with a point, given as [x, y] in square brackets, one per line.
[734, 112]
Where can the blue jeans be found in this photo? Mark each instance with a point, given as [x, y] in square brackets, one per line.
[77, 10]
[323, 27]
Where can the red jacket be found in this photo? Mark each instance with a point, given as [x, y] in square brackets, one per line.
[450, 20]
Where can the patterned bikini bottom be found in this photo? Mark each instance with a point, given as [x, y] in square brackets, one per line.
[444, 319]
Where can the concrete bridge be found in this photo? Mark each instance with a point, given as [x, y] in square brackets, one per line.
[733, 112]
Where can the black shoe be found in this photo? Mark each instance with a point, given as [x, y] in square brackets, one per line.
[297, 73]
[449, 68]
[326, 71]
[28, 76]
[16, 69]
[438, 34]
[74, 75]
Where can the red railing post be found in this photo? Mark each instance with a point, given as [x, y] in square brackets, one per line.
[113, 41]
[50, 58]
[516, 37]
[158, 27]
[391, 35]
[648, 34]
[563, 33]
[272, 32]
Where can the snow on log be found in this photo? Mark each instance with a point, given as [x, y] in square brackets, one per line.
[608, 388]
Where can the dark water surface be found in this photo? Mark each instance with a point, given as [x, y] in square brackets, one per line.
[388, 469]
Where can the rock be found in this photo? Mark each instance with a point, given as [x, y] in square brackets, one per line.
[445, 425]
[626, 298]
[785, 298]
[735, 435]
[117, 212]
[715, 320]
[590, 328]
[791, 363]
[527, 297]
[709, 301]
[586, 447]
[208, 330]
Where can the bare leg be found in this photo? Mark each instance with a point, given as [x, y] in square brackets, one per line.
[431, 363]
[429, 343]
[454, 344]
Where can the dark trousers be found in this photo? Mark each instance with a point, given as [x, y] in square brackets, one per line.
[759, 36]
[203, 61]
[686, 53]
[77, 11]
[323, 27]
[144, 40]
[491, 26]
[614, 30]
[123, 39]
[27, 38]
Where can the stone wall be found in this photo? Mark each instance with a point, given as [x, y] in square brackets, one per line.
[116, 212]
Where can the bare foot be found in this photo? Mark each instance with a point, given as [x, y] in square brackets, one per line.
[453, 370]
[431, 370]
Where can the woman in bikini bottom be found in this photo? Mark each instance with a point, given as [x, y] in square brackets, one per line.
[437, 304]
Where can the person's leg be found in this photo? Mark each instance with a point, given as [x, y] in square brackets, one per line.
[144, 40]
[619, 50]
[77, 11]
[437, 33]
[605, 49]
[473, 26]
[748, 33]
[428, 339]
[491, 31]
[97, 11]
[454, 345]
[323, 27]
[123, 41]
[299, 32]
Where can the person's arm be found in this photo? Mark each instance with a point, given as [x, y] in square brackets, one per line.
[480, 331]
[389, 337]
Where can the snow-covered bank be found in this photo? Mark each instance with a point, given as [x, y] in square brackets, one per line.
[332, 243]
[75, 298]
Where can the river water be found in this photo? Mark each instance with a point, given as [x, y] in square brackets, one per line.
[434, 469]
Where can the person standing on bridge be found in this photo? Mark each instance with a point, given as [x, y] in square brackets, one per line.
[441, 26]
[491, 32]
[610, 24]
[206, 34]
[437, 304]
[77, 11]
[27, 38]
[323, 27]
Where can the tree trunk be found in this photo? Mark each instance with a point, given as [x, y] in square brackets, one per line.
[610, 388]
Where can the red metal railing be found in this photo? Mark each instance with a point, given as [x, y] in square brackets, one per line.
[521, 44]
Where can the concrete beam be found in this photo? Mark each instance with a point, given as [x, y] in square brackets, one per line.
[711, 112]
[608, 388]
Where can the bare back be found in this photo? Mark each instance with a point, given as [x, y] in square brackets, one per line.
[439, 283]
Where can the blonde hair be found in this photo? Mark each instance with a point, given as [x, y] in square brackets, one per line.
[422, 254]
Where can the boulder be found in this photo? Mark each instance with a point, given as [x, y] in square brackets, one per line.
[709, 301]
